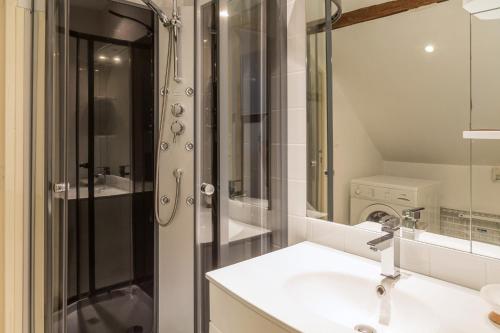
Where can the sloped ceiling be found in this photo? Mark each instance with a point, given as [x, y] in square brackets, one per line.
[350, 5]
[413, 104]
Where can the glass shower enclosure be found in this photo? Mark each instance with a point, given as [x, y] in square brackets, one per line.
[241, 126]
[100, 226]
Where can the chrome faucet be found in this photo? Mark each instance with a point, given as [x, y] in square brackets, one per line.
[411, 218]
[388, 247]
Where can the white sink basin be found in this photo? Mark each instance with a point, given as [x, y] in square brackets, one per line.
[350, 300]
[313, 288]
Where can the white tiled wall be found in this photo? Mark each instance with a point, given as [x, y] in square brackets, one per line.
[466, 269]
[296, 67]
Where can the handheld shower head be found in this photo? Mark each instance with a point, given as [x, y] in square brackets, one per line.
[156, 9]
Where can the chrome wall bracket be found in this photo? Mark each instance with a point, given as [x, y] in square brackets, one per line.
[164, 200]
[189, 91]
[189, 146]
[164, 146]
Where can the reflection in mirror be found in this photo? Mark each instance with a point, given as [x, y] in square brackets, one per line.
[248, 143]
[317, 205]
[401, 100]
[485, 170]
[246, 59]
[320, 15]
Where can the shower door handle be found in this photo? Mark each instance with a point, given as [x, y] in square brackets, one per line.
[60, 187]
[207, 189]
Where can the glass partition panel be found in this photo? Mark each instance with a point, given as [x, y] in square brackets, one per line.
[244, 120]
[248, 115]
[241, 209]
[57, 210]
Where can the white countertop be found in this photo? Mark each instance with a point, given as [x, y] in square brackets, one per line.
[266, 284]
[236, 230]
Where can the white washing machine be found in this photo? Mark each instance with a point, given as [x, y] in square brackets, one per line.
[374, 197]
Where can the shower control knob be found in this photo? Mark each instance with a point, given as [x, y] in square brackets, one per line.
[177, 109]
[207, 189]
[177, 129]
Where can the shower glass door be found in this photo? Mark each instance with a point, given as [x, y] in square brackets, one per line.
[100, 226]
[241, 122]
[56, 200]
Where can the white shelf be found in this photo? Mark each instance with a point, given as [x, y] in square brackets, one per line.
[482, 135]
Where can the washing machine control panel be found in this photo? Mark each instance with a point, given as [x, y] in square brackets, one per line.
[362, 191]
[383, 194]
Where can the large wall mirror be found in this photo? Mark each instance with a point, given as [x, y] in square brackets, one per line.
[405, 88]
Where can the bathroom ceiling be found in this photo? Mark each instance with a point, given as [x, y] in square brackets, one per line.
[351, 5]
[412, 103]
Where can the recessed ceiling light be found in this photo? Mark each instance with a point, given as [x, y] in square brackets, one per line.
[103, 57]
[117, 60]
[224, 13]
[429, 48]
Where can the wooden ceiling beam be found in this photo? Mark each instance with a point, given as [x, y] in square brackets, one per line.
[381, 10]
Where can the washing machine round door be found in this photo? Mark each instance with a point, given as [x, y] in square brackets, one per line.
[375, 212]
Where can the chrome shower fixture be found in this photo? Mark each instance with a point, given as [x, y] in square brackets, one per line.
[160, 13]
[173, 25]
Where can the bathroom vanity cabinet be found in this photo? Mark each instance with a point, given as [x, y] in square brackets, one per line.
[228, 314]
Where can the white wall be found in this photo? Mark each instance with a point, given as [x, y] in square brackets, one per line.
[14, 110]
[2, 160]
[351, 5]
[455, 181]
[296, 81]
[414, 105]
[355, 155]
